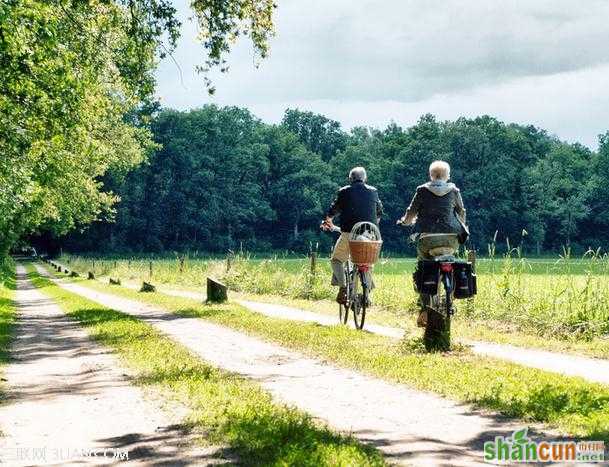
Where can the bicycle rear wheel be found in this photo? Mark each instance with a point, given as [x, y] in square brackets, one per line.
[360, 302]
[343, 308]
[437, 329]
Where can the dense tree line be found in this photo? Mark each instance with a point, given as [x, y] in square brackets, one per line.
[221, 179]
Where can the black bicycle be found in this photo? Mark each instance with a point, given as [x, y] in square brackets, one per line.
[357, 292]
[440, 281]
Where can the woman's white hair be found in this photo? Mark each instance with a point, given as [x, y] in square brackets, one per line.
[439, 170]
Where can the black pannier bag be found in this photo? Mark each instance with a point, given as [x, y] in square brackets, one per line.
[465, 280]
[426, 277]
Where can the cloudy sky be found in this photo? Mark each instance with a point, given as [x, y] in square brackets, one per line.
[368, 62]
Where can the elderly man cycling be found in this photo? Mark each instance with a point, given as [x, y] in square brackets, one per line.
[436, 208]
[356, 202]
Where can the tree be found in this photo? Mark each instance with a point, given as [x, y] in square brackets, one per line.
[71, 74]
[318, 133]
[297, 184]
[560, 191]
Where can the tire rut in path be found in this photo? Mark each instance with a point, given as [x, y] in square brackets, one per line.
[408, 426]
[66, 393]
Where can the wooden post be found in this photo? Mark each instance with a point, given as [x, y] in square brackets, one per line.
[150, 270]
[314, 260]
[216, 291]
[228, 261]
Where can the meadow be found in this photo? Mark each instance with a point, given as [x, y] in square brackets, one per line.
[563, 297]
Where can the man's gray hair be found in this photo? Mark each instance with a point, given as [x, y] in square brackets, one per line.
[358, 174]
[439, 170]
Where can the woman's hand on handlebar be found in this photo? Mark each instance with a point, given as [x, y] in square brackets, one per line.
[401, 221]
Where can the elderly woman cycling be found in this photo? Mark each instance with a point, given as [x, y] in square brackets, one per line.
[437, 208]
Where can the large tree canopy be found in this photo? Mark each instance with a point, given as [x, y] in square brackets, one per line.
[74, 78]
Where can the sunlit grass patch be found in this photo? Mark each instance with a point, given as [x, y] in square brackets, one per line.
[7, 313]
[226, 409]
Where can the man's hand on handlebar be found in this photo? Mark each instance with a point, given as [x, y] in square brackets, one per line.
[327, 224]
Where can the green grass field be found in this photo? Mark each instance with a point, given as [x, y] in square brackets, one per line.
[564, 298]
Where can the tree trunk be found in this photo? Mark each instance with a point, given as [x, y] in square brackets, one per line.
[295, 230]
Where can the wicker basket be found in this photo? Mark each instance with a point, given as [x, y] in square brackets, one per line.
[365, 251]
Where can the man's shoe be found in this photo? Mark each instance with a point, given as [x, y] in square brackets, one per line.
[422, 319]
[341, 297]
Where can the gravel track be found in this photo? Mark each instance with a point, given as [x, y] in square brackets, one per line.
[65, 394]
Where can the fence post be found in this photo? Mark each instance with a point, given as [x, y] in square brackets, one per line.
[150, 270]
[313, 254]
[228, 261]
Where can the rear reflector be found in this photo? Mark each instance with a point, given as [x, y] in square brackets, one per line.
[446, 267]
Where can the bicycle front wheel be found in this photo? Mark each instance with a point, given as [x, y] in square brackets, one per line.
[360, 303]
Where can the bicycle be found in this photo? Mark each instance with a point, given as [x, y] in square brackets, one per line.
[440, 281]
[356, 301]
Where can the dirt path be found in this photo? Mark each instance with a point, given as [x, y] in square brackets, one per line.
[409, 426]
[67, 394]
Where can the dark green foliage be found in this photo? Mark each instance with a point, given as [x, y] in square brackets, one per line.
[224, 180]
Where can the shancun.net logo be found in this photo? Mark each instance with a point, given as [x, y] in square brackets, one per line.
[520, 448]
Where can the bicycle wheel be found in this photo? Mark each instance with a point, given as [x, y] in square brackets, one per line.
[437, 330]
[361, 301]
[343, 309]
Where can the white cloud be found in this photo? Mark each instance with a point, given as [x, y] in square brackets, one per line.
[369, 62]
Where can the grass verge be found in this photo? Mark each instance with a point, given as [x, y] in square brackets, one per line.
[572, 405]
[7, 310]
[227, 408]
